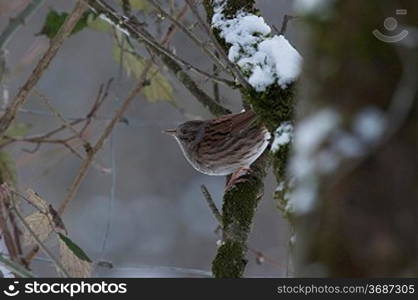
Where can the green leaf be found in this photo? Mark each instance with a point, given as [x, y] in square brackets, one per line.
[7, 168]
[76, 250]
[140, 5]
[96, 23]
[17, 130]
[133, 64]
[54, 21]
[159, 89]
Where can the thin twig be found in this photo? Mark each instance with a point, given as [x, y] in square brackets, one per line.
[167, 58]
[16, 268]
[65, 123]
[216, 94]
[91, 154]
[56, 43]
[215, 212]
[191, 35]
[286, 19]
[111, 197]
[211, 204]
[16, 22]
[173, 28]
[134, 28]
[234, 68]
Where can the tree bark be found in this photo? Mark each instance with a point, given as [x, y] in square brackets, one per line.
[364, 219]
[273, 107]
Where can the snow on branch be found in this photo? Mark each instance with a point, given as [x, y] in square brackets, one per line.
[265, 59]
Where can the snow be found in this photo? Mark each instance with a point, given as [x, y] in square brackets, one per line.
[348, 145]
[303, 198]
[264, 58]
[321, 144]
[369, 124]
[118, 26]
[285, 59]
[280, 186]
[123, 30]
[282, 136]
[312, 131]
[311, 158]
[327, 161]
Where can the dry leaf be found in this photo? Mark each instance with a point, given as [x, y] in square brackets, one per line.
[37, 200]
[40, 224]
[73, 259]
[39, 221]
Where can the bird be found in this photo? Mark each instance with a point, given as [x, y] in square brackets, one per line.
[222, 146]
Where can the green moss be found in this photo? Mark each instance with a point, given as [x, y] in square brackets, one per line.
[229, 261]
[240, 203]
[232, 7]
[273, 106]
[279, 162]
[279, 159]
[230, 11]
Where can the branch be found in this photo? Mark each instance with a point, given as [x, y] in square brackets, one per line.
[211, 204]
[286, 20]
[221, 51]
[142, 36]
[15, 267]
[45, 249]
[239, 206]
[273, 106]
[99, 144]
[56, 43]
[18, 21]
[190, 34]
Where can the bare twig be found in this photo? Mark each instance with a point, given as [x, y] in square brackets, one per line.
[15, 267]
[211, 204]
[18, 21]
[134, 28]
[215, 70]
[111, 197]
[65, 123]
[99, 144]
[131, 26]
[56, 43]
[201, 45]
[173, 28]
[286, 19]
[234, 68]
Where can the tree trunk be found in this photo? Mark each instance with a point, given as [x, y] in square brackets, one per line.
[356, 197]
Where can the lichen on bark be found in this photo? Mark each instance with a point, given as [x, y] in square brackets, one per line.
[273, 106]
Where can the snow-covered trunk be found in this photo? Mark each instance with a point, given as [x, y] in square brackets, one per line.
[355, 158]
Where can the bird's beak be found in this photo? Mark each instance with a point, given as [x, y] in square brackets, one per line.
[171, 132]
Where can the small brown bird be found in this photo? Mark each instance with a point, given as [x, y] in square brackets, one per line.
[224, 145]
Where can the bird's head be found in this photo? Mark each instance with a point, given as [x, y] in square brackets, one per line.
[187, 132]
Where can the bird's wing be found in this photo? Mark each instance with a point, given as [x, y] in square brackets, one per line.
[219, 132]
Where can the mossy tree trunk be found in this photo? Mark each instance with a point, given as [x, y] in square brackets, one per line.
[364, 219]
[273, 107]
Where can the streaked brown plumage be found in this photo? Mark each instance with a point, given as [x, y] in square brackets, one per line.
[223, 145]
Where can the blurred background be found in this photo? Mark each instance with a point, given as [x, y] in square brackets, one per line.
[142, 192]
